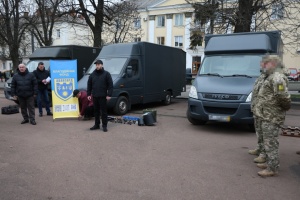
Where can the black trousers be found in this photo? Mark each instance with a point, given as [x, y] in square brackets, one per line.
[27, 107]
[89, 112]
[100, 107]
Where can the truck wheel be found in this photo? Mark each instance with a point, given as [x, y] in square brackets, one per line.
[194, 121]
[121, 106]
[167, 100]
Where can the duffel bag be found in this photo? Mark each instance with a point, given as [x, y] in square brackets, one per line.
[10, 109]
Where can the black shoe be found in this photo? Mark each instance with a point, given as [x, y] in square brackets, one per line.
[104, 129]
[86, 118]
[25, 121]
[49, 113]
[95, 127]
[41, 115]
[33, 122]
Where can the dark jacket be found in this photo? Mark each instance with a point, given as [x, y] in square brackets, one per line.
[23, 84]
[41, 75]
[84, 102]
[100, 84]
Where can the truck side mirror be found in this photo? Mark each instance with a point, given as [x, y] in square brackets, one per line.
[129, 71]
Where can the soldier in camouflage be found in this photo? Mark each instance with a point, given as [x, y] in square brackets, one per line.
[259, 150]
[272, 102]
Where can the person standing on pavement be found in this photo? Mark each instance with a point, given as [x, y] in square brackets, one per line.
[259, 150]
[273, 100]
[86, 107]
[24, 89]
[100, 88]
[43, 79]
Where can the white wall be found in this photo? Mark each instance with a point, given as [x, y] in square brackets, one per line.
[151, 30]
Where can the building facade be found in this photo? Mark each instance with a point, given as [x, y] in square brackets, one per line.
[169, 22]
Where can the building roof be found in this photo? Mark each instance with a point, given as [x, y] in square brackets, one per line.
[142, 4]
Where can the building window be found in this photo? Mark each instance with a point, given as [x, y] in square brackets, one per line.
[137, 39]
[178, 41]
[161, 40]
[137, 23]
[179, 20]
[277, 11]
[161, 21]
[58, 33]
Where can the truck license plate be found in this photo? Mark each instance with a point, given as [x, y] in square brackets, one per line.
[221, 118]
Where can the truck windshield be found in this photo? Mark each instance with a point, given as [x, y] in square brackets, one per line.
[113, 65]
[32, 64]
[231, 65]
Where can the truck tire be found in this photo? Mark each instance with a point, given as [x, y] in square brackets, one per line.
[194, 121]
[121, 106]
[167, 100]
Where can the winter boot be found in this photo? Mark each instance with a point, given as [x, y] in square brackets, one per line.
[259, 159]
[262, 165]
[267, 173]
[253, 152]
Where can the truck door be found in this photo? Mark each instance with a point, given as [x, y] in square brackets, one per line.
[133, 83]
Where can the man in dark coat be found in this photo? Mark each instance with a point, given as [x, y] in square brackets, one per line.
[24, 88]
[100, 86]
[43, 79]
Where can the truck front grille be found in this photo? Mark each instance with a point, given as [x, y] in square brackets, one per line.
[221, 96]
[216, 110]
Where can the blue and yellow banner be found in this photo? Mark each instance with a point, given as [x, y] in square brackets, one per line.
[63, 83]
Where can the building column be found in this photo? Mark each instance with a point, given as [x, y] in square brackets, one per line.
[186, 44]
[169, 30]
[151, 28]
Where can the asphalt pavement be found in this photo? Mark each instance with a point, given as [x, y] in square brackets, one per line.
[172, 160]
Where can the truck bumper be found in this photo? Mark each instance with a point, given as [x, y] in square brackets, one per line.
[219, 111]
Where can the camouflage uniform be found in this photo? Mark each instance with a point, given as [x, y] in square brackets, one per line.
[273, 100]
[257, 121]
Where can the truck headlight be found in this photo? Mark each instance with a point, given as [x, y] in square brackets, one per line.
[193, 92]
[249, 97]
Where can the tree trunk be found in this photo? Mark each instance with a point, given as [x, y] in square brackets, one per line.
[98, 24]
[244, 16]
[14, 55]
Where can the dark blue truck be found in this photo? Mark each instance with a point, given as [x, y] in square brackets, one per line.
[142, 72]
[222, 89]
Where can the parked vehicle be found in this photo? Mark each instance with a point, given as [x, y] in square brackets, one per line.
[142, 73]
[222, 90]
[294, 74]
[84, 56]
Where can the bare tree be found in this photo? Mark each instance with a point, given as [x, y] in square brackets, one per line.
[125, 25]
[12, 27]
[97, 13]
[43, 20]
[246, 16]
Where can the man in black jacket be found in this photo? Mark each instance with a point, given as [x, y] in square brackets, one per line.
[43, 79]
[24, 88]
[100, 87]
